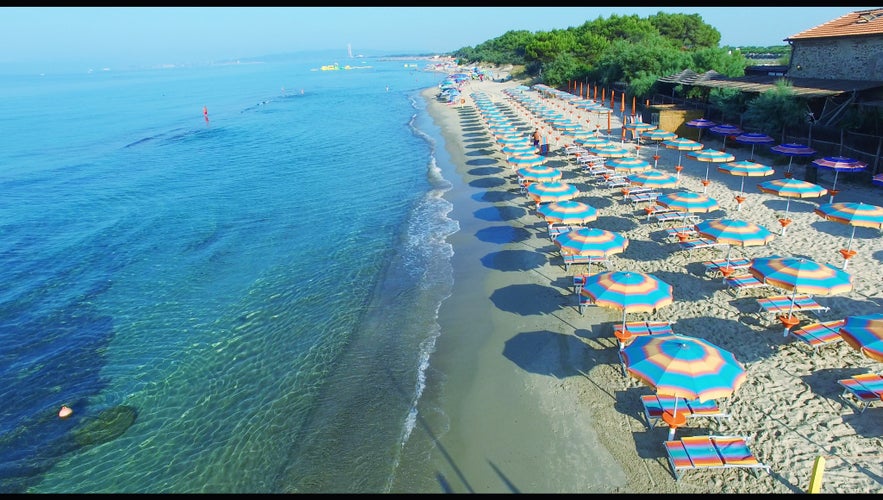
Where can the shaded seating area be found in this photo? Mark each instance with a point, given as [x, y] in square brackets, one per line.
[697, 243]
[655, 405]
[816, 335]
[570, 260]
[714, 267]
[638, 328]
[781, 304]
[736, 284]
[859, 391]
[711, 452]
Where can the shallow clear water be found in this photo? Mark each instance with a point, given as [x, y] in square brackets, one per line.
[239, 304]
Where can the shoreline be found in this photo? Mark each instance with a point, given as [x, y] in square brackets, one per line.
[531, 391]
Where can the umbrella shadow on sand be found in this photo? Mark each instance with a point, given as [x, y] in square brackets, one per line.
[527, 300]
[823, 383]
[729, 334]
[488, 183]
[503, 234]
[547, 353]
[502, 213]
[483, 171]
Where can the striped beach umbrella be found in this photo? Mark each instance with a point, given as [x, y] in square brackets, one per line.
[701, 124]
[628, 291]
[725, 129]
[754, 138]
[709, 156]
[865, 333]
[568, 212]
[539, 173]
[519, 149]
[800, 275]
[653, 179]
[687, 202]
[839, 164]
[591, 242]
[791, 188]
[681, 144]
[683, 367]
[610, 151]
[734, 232]
[657, 135]
[855, 215]
[593, 141]
[743, 169]
[792, 149]
[628, 165]
[636, 128]
[526, 160]
[544, 192]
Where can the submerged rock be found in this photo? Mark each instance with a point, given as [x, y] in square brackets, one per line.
[107, 426]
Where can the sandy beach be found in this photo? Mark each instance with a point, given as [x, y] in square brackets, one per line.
[534, 398]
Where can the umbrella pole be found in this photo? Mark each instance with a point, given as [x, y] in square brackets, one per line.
[671, 429]
[833, 189]
[848, 253]
[739, 198]
[752, 152]
[790, 311]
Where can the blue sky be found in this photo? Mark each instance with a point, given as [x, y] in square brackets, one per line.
[149, 36]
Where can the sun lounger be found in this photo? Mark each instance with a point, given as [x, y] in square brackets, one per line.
[781, 304]
[713, 267]
[864, 389]
[616, 181]
[817, 335]
[736, 284]
[570, 260]
[647, 197]
[655, 404]
[689, 232]
[711, 452]
[690, 245]
[673, 216]
[554, 230]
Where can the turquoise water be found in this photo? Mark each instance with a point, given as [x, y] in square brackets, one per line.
[245, 303]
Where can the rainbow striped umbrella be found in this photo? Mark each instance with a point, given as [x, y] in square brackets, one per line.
[681, 144]
[734, 232]
[518, 149]
[591, 241]
[754, 139]
[593, 141]
[865, 333]
[539, 173]
[800, 275]
[626, 290]
[657, 135]
[526, 160]
[700, 123]
[543, 192]
[839, 164]
[688, 201]
[637, 127]
[653, 178]
[683, 367]
[510, 139]
[568, 212]
[725, 129]
[610, 151]
[854, 214]
[709, 156]
[628, 165]
[745, 169]
[791, 188]
[792, 149]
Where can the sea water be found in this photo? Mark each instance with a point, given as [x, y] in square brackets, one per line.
[230, 273]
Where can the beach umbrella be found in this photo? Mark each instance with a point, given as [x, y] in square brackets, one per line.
[865, 333]
[567, 212]
[745, 169]
[754, 139]
[526, 160]
[593, 141]
[628, 165]
[681, 144]
[657, 135]
[791, 188]
[628, 291]
[539, 173]
[791, 150]
[709, 156]
[877, 180]
[700, 123]
[610, 151]
[799, 275]
[725, 129]
[653, 179]
[687, 202]
[592, 242]
[519, 149]
[839, 164]
[637, 128]
[855, 215]
[683, 367]
[543, 192]
[511, 139]
[733, 232]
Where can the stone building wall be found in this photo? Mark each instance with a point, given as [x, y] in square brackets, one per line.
[848, 58]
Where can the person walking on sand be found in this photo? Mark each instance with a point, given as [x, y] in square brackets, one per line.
[536, 137]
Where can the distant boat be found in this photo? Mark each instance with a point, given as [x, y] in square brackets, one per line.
[330, 67]
[349, 50]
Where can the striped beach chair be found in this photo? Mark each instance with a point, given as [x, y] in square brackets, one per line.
[820, 334]
[864, 389]
[711, 452]
[655, 405]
